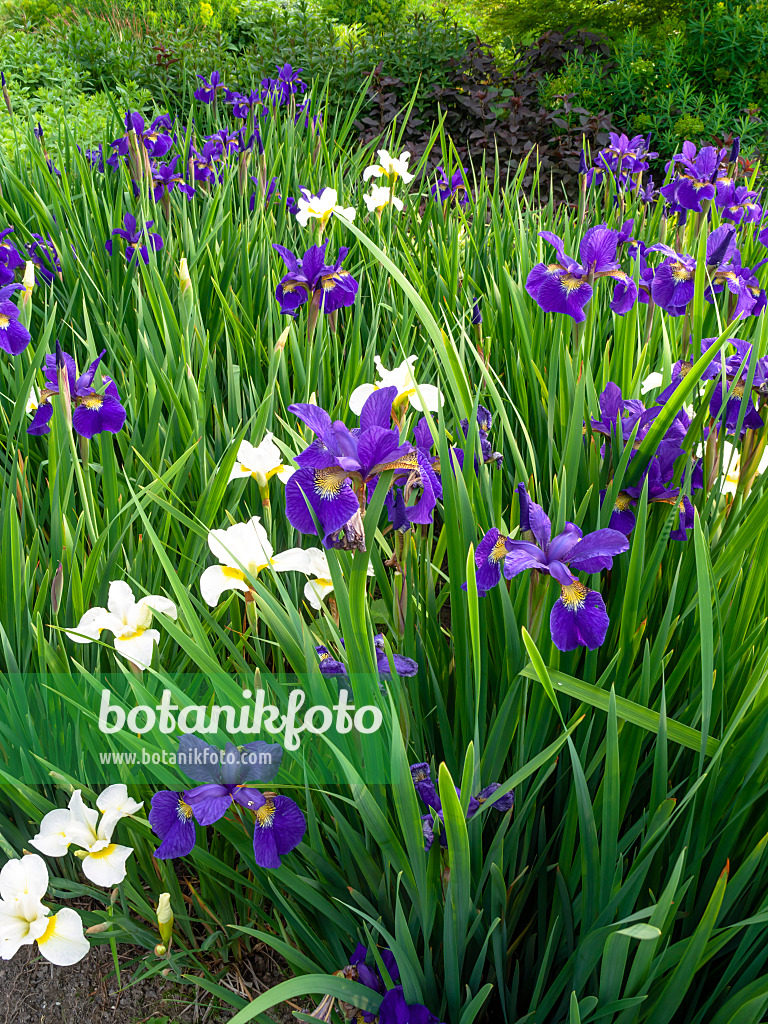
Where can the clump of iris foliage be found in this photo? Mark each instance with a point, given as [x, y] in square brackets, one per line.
[261, 390]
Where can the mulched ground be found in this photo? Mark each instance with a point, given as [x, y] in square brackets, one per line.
[32, 991]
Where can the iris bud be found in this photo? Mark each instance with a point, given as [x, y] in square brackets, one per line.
[56, 588]
[165, 917]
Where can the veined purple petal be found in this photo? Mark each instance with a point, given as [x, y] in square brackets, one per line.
[603, 542]
[209, 802]
[578, 619]
[172, 821]
[377, 410]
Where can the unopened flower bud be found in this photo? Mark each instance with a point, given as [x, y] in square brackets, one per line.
[57, 586]
[281, 341]
[160, 950]
[62, 375]
[165, 917]
[6, 96]
[185, 281]
[28, 282]
[96, 929]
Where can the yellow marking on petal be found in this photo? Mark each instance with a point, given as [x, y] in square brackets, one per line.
[328, 482]
[681, 273]
[133, 635]
[623, 502]
[4, 322]
[93, 401]
[574, 595]
[499, 550]
[232, 574]
[322, 582]
[571, 283]
[406, 462]
[265, 815]
[184, 811]
[50, 928]
[106, 852]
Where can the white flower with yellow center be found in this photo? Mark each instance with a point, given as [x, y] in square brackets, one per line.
[77, 825]
[261, 462]
[321, 207]
[128, 619]
[390, 167]
[243, 550]
[381, 196]
[428, 399]
[24, 919]
[317, 589]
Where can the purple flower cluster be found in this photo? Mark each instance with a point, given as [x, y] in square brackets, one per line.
[328, 494]
[623, 161]
[426, 789]
[134, 235]
[93, 411]
[566, 286]
[326, 287]
[331, 666]
[626, 415]
[578, 617]
[279, 824]
[671, 283]
[393, 1008]
[14, 336]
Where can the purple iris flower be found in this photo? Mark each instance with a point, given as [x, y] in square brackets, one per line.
[228, 141]
[242, 105]
[484, 423]
[564, 286]
[698, 181]
[279, 824]
[95, 157]
[42, 252]
[157, 138]
[395, 1010]
[207, 92]
[206, 165]
[738, 205]
[417, 476]
[288, 83]
[622, 158]
[477, 316]
[134, 236]
[309, 279]
[172, 819]
[455, 188]
[673, 280]
[337, 467]
[93, 412]
[14, 336]
[426, 789]
[305, 113]
[578, 618]
[271, 191]
[10, 259]
[617, 411]
[731, 391]
[331, 666]
[165, 179]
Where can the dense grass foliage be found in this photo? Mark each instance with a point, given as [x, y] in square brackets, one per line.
[629, 882]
